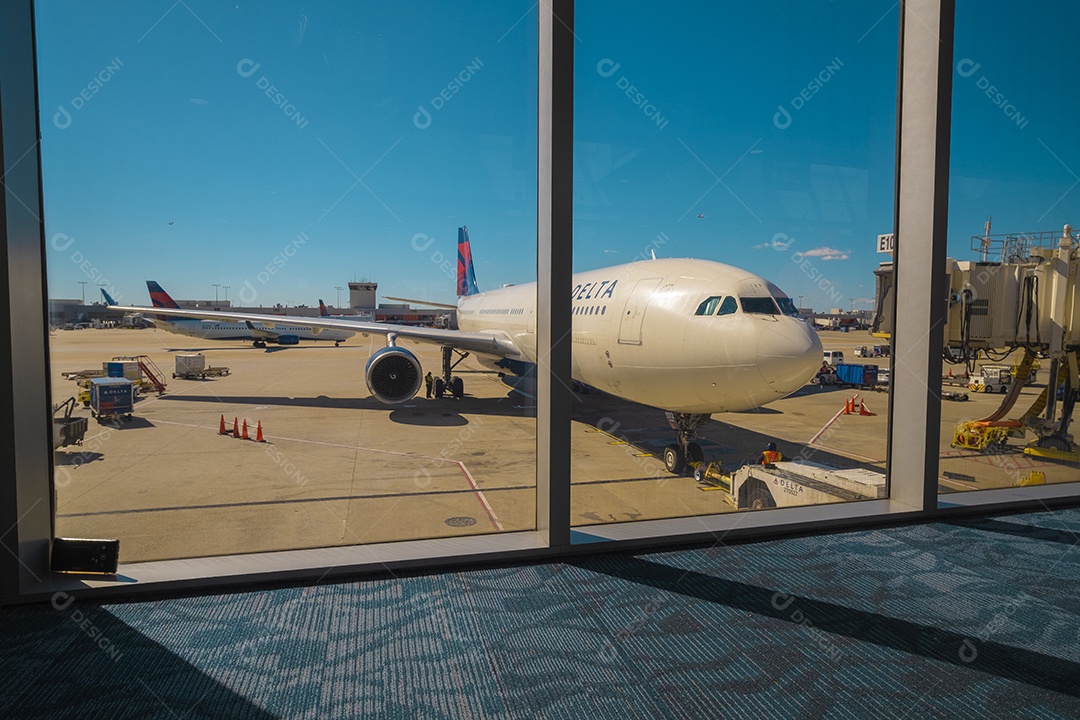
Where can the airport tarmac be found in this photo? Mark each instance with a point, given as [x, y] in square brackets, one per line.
[340, 468]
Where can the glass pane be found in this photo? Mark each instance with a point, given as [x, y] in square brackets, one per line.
[304, 172]
[723, 151]
[708, 307]
[1008, 366]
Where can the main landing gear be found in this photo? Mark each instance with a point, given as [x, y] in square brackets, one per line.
[686, 426]
[258, 344]
[450, 383]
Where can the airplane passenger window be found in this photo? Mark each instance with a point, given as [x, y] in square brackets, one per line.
[758, 305]
[729, 306]
[708, 307]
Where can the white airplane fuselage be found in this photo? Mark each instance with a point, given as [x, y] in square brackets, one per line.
[636, 334]
[226, 330]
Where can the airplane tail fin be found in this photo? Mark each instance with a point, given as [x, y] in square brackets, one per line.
[323, 312]
[108, 298]
[466, 275]
[158, 297]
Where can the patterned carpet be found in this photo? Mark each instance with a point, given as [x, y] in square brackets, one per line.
[973, 618]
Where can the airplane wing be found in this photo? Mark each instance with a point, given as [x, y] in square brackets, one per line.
[497, 344]
[428, 303]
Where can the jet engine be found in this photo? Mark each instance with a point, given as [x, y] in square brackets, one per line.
[288, 340]
[393, 375]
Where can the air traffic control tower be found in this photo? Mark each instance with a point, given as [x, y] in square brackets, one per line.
[362, 295]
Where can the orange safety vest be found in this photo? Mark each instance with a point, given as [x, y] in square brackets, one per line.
[769, 457]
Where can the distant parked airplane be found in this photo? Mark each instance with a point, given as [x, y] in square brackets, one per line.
[238, 326]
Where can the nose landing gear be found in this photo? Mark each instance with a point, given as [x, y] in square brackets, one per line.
[686, 425]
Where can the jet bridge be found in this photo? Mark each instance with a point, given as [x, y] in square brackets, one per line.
[1020, 295]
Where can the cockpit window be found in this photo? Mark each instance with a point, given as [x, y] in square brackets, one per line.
[728, 307]
[758, 305]
[787, 306]
[708, 306]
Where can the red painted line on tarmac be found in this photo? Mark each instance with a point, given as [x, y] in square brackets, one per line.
[480, 496]
[825, 427]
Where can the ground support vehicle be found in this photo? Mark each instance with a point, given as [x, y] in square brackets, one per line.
[992, 379]
[863, 376]
[67, 429]
[787, 484]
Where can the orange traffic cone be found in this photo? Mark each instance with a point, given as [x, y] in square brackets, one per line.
[235, 428]
[863, 410]
[243, 432]
[222, 430]
[258, 432]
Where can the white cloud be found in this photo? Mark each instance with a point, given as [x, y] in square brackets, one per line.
[826, 253]
[775, 244]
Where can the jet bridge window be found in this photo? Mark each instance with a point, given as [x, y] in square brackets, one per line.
[709, 305]
[759, 305]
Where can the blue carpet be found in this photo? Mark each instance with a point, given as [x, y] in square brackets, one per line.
[963, 618]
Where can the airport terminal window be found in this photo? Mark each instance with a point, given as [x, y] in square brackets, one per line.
[822, 208]
[312, 163]
[1008, 361]
[689, 210]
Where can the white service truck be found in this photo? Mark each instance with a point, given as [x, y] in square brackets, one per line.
[787, 484]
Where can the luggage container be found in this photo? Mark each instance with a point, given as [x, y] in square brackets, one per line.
[123, 369]
[190, 366]
[111, 398]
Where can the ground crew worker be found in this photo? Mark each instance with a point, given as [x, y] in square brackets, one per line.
[427, 385]
[770, 455]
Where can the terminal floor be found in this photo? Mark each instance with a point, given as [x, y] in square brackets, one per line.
[967, 618]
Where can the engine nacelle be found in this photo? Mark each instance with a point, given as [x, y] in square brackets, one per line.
[288, 340]
[393, 375]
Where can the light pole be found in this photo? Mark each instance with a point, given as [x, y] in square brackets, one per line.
[83, 283]
[339, 289]
[216, 286]
[800, 300]
[226, 288]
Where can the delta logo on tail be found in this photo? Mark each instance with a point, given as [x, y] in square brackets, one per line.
[161, 299]
[466, 283]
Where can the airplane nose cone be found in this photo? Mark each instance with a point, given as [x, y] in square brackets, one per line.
[789, 353]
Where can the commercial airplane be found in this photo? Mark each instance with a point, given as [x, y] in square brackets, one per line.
[280, 330]
[325, 313]
[692, 337]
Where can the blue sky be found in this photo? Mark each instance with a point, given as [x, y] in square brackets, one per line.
[388, 126]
